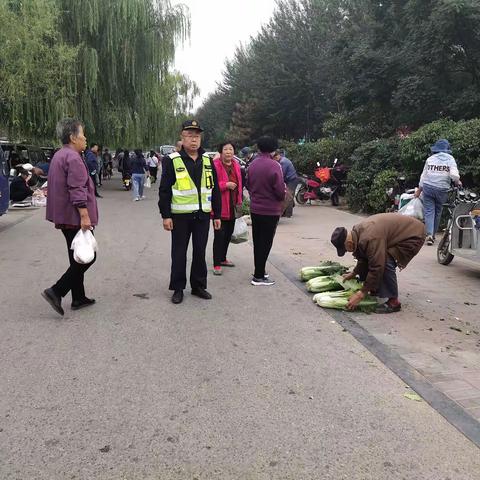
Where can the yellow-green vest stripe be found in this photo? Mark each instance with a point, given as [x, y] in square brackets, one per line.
[185, 195]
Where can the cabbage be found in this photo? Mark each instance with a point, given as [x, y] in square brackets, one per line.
[323, 284]
[339, 301]
[323, 269]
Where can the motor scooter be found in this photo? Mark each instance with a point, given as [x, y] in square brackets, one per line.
[326, 185]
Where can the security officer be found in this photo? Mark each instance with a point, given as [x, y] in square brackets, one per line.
[188, 195]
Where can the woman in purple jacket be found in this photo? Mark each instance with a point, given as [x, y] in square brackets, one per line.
[267, 194]
[71, 206]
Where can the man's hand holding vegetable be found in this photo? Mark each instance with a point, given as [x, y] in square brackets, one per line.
[355, 299]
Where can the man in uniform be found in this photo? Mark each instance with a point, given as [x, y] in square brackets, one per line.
[188, 197]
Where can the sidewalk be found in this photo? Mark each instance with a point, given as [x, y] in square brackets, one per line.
[257, 384]
[438, 330]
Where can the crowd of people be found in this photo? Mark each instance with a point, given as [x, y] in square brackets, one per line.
[196, 191]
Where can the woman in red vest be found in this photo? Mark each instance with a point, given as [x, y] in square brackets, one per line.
[230, 182]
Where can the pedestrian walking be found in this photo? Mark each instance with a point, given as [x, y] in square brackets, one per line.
[139, 169]
[439, 172]
[92, 165]
[290, 178]
[107, 164]
[71, 206]
[267, 194]
[99, 167]
[381, 243]
[231, 187]
[188, 194]
[152, 163]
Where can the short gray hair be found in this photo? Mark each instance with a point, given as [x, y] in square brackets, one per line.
[67, 127]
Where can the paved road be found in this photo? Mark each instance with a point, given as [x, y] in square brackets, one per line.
[256, 384]
[438, 330]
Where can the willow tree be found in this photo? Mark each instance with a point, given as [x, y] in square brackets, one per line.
[125, 89]
[36, 69]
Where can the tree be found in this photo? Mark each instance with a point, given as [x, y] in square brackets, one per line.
[37, 81]
[126, 91]
[108, 62]
[378, 65]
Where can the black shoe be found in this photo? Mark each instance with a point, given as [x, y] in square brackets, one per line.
[98, 196]
[86, 302]
[387, 308]
[202, 293]
[265, 281]
[54, 300]
[177, 297]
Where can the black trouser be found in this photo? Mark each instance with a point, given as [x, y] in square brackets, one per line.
[94, 180]
[263, 232]
[153, 173]
[72, 279]
[183, 228]
[289, 200]
[221, 241]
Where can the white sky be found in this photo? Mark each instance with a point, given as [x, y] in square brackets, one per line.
[218, 26]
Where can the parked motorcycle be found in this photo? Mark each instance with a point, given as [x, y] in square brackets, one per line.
[327, 184]
[398, 195]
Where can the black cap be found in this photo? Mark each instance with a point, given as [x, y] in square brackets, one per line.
[339, 236]
[191, 125]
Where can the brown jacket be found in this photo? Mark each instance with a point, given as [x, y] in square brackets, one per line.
[382, 235]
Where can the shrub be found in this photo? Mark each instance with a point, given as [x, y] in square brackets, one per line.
[464, 137]
[323, 151]
[377, 198]
[368, 161]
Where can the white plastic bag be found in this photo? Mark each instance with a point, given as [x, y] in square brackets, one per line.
[147, 183]
[414, 208]
[240, 232]
[84, 247]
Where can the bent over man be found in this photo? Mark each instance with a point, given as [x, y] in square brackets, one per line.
[381, 243]
[188, 197]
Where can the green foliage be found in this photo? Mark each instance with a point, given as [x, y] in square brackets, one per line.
[416, 148]
[377, 199]
[464, 137]
[108, 62]
[246, 206]
[324, 151]
[368, 161]
[36, 68]
[353, 70]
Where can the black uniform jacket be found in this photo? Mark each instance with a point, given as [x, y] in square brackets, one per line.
[195, 169]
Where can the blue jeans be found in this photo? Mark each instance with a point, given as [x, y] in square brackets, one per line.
[138, 179]
[433, 200]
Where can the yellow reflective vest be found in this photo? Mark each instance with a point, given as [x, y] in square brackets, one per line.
[185, 196]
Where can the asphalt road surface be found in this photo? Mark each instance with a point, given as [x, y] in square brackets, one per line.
[257, 383]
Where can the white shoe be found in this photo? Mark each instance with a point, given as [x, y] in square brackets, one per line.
[143, 197]
[136, 199]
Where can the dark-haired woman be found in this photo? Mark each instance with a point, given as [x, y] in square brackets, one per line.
[139, 169]
[230, 183]
[267, 194]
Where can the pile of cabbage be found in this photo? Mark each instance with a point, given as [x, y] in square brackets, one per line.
[330, 288]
